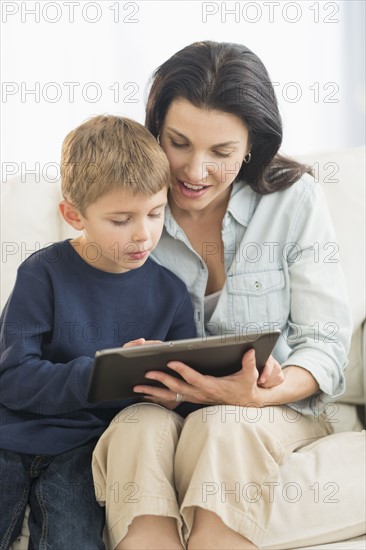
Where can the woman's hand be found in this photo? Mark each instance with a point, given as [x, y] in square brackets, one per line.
[240, 388]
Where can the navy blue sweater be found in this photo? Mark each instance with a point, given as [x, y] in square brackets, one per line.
[61, 311]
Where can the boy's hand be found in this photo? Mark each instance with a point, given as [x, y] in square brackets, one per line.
[140, 342]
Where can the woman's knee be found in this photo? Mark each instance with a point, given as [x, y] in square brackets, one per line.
[219, 421]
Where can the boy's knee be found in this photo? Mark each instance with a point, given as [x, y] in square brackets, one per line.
[140, 414]
[141, 422]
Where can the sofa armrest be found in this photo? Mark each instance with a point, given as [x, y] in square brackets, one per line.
[342, 177]
[30, 220]
[364, 370]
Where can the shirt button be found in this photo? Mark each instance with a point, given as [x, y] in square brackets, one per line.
[257, 285]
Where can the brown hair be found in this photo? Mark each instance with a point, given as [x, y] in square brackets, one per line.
[108, 152]
[231, 78]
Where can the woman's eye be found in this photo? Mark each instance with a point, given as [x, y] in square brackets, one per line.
[155, 215]
[182, 145]
[178, 145]
[224, 155]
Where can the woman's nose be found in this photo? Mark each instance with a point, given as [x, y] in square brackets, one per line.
[197, 169]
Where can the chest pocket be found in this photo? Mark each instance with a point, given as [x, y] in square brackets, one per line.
[259, 297]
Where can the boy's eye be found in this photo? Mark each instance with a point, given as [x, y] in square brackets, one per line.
[119, 223]
[157, 215]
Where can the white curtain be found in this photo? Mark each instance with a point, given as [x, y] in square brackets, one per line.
[354, 71]
[63, 61]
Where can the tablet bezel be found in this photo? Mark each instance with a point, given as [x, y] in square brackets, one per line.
[117, 370]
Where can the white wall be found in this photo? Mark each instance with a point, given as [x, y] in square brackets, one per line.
[112, 47]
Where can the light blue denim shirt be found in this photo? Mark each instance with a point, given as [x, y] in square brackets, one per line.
[282, 267]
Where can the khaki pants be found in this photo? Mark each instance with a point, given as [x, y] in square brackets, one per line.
[221, 458]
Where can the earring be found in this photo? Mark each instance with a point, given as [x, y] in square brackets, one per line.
[158, 139]
[248, 158]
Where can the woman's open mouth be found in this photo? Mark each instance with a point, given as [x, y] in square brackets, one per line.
[190, 190]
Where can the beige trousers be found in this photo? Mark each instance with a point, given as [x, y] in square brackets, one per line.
[221, 458]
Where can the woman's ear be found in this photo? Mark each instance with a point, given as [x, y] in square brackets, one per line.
[71, 215]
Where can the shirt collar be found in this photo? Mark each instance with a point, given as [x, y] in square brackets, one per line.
[170, 224]
[242, 203]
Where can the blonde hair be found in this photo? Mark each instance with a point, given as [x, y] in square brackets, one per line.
[108, 152]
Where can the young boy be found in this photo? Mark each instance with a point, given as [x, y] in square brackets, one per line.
[99, 290]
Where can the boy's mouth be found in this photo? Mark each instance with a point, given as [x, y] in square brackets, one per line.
[140, 255]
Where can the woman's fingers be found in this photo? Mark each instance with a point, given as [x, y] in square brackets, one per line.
[266, 373]
[191, 376]
[194, 386]
[172, 386]
[271, 375]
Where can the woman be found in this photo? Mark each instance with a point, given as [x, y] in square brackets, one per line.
[246, 230]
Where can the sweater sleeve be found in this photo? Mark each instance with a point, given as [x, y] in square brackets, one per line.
[183, 325]
[28, 381]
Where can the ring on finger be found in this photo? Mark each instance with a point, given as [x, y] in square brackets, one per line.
[179, 397]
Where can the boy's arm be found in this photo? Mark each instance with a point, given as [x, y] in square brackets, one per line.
[183, 325]
[28, 382]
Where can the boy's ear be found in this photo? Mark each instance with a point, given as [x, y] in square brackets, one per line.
[71, 215]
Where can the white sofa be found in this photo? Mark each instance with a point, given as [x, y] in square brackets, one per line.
[30, 220]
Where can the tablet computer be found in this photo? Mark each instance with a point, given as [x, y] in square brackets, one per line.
[117, 370]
